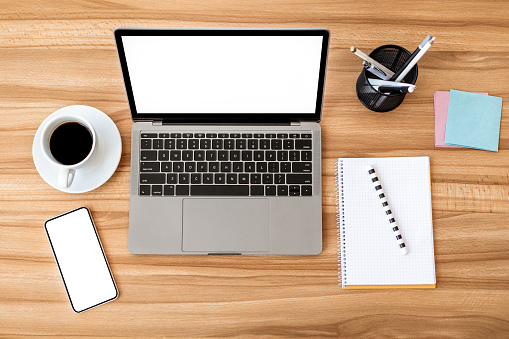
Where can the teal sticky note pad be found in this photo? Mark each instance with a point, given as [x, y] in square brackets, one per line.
[473, 120]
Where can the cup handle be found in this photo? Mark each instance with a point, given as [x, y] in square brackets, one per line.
[65, 177]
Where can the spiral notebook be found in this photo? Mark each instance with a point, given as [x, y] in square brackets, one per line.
[369, 255]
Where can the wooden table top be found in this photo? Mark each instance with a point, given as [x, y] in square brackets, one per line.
[60, 53]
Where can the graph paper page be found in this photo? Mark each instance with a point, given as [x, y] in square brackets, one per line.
[372, 255]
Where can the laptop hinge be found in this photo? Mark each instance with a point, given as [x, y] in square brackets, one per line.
[157, 123]
[295, 123]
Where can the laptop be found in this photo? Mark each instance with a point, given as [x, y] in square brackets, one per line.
[226, 145]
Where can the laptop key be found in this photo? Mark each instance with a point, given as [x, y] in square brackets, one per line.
[187, 155]
[171, 178]
[157, 144]
[193, 144]
[270, 190]
[306, 136]
[234, 135]
[259, 155]
[270, 135]
[247, 135]
[298, 178]
[270, 155]
[201, 167]
[164, 155]
[217, 144]
[295, 155]
[282, 190]
[205, 143]
[169, 144]
[211, 155]
[222, 155]
[238, 167]
[213, 167]
[282, 135]
[243, 178]
[226, 166]
[294, 190]
[199, 135]
[267, 178]
[190, 167]
[282, 155]
[247, 155]
[182, 190]
[166, 167]
[241, 144]
[276, 144]
[223, 135]
[208, 178]
[187, 135]
[196, 178]
[279, 178]
[273, 167]
[261, 167]
[164, 135]
[301, 167]
[178, 166]
[219, 178]
[146, 143]
[286, 167]
[149, 167]
[181, 143]
[306, 155]
[157, 190]
[148, 155]
[152, 178]
[288, 144]
[306, 190]
[294, 135]
[144, 189]
[176, 155]
[259, 135]
[249, 167]
[149, 135]
[257, 190]
[211, 135]
[220, 190]
[229, 144]
[235, 155]
[303, 144]
[176, 135]
[256, 178]
[252, 144]
[199, 155]
[169, 189]
[264, 144]
[231, 178]
[184, 178]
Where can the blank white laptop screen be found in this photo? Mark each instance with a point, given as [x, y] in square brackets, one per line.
[224, 74]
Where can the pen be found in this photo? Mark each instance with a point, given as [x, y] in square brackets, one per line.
[372, 61]
[376, 71]
[378, 82]
[394, 90]
[385, 204]
[414, 58]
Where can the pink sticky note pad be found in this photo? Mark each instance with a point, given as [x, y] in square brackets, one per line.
[441, 107]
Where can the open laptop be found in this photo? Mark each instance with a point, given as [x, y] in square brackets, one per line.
[226, 145]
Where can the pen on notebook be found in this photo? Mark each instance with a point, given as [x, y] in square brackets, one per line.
[375, 70]
[372, 61]
[385, 204]
[414, 58]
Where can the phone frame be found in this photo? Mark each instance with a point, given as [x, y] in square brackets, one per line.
[102, 250]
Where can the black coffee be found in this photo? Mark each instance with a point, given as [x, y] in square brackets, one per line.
[70, 143]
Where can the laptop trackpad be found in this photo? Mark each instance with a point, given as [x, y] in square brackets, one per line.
[225, 225]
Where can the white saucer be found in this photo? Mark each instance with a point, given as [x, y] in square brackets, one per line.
[104, 161]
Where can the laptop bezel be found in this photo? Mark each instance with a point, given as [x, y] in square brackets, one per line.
[228, 117]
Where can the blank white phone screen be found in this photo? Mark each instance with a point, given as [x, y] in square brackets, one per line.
[81, 260]
[224, 74]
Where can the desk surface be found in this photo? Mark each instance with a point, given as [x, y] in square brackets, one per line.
[59, 53]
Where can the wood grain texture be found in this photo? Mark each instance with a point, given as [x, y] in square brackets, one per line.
[58, 53]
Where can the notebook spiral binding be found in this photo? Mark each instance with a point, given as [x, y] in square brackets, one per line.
[340, 220]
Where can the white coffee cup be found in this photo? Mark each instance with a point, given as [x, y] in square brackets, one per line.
[67, 171]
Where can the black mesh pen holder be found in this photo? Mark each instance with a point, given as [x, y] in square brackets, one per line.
[392, 57]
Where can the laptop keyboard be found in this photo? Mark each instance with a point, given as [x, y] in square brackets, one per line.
[226, 164]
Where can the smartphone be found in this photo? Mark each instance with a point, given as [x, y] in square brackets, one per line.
[81, 260]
